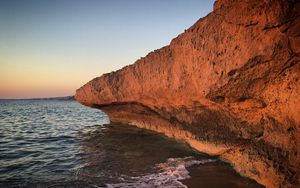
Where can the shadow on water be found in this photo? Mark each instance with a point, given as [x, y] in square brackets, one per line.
[117, 152]
[125, 151]
[217, 175]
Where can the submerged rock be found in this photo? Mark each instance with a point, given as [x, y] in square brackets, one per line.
[229, 86]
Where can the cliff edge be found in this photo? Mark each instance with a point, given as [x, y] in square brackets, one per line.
[229, 86]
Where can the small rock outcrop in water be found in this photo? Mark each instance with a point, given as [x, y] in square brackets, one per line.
[229, 86]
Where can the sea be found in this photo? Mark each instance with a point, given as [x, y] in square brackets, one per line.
[61, 143]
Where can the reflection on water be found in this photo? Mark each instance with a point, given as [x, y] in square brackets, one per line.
[64, 144]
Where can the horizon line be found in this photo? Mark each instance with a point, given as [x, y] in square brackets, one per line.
[41, 98]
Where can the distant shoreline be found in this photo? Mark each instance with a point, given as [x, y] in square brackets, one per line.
[65, 98]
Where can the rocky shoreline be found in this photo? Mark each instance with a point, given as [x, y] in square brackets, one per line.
[245, 155]
[229, 86]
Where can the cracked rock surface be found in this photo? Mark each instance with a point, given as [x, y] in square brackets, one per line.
[229, 86]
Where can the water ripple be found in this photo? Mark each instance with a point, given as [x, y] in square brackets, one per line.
[64, 144]
[39, 140]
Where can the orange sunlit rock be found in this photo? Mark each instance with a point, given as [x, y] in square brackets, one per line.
[229, 85]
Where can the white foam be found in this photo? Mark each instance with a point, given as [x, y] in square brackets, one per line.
[170, 172]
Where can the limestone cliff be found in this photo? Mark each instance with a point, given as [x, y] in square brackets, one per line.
[229, 86]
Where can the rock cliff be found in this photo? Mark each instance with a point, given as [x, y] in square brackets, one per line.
[229, 86]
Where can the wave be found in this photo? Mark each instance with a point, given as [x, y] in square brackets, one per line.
[169, 174]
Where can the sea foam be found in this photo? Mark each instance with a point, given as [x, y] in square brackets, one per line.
[169, 174]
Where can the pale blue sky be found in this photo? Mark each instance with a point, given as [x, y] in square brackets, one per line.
[50, 48]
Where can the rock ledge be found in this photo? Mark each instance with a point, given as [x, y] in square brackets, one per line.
[229, 86]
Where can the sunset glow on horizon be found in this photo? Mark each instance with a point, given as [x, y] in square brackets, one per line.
[51, 48]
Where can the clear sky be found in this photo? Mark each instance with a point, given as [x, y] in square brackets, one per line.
[52, 47]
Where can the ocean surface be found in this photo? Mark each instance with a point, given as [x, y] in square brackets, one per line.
[55, 143]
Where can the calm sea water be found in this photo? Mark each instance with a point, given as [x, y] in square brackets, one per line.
[48, 143]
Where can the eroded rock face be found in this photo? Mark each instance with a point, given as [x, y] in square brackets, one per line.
[229, 86]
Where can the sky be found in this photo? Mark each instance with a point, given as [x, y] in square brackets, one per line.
[50, 48]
